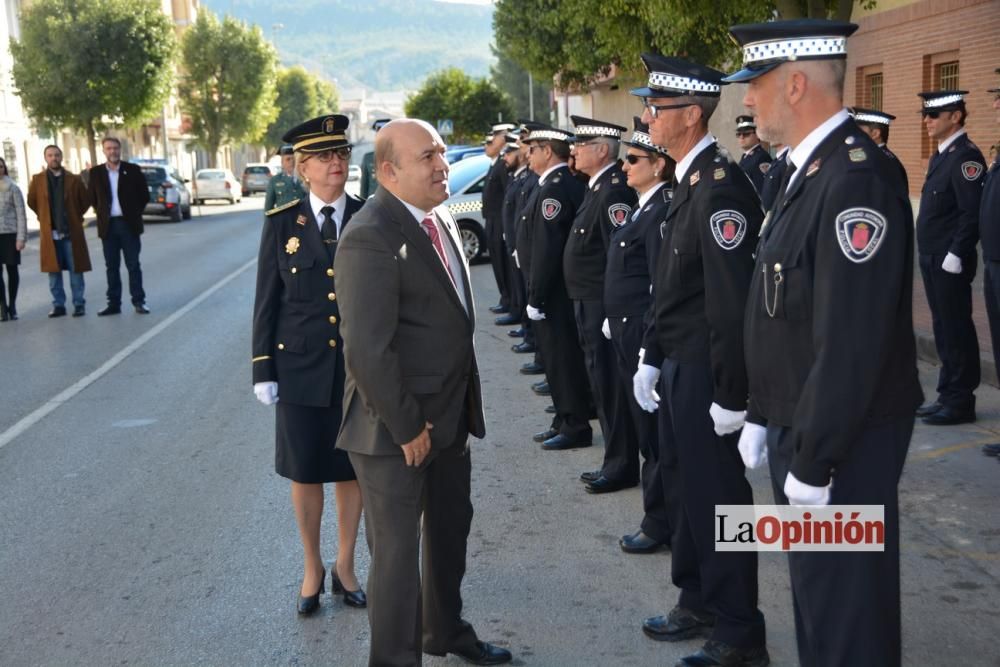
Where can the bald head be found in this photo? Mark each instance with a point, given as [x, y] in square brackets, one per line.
[409, 162]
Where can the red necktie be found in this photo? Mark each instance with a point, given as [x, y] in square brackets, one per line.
[432, 231]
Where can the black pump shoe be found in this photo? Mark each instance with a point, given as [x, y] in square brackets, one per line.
[308, 605]
[351, 598]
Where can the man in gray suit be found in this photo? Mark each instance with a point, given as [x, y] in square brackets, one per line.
[412, 399]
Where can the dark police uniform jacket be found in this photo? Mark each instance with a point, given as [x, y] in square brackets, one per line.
[989, 213]
[296, 322]
[632, 255]
[524, 234]
[772, 181]
[282, 189]
[756, 164]
[898, 164]
[512, 200]
[606, 206]
[554, 209]
[829, 328]
[703, 272]
[949, 202]
[493, 191]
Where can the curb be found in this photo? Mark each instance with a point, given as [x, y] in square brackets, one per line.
[927, 351]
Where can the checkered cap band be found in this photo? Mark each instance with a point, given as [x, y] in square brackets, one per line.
[942, 101]
[790, 49]
[541, 135]
[597, 131]
[871, 118]
[681, 84]
[644, 139]
[746, 124]
[466, 207]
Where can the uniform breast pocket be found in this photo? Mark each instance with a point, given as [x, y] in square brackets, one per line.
[786, 285]
[633, 256]
[686, 262]
[297, 274]
[941, 201]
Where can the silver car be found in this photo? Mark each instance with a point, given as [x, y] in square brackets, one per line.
[168, 194]
[465, 182]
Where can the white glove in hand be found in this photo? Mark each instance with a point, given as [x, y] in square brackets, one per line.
[952, 263]
[753, 445]
[606, 329]
[726, 421]
[644, 387]
[516, 260]
[642, 356]
[534, 314]
[266, 392]
[800, 493]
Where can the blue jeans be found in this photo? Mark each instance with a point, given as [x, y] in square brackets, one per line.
[121, 241]
[64, 255]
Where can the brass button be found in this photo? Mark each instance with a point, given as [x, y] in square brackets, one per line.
[329, 272]
[281, 346]
[294, 270]
[333, 319]
[331, 296]
[333, 343]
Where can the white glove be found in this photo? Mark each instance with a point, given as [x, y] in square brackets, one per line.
[952, 263]
[726, 421]
[606, 329]
[642, 356]
[753, 445]
[800, 493]
[644, 387]
[266, 392]
[516, 260]
[534, 314]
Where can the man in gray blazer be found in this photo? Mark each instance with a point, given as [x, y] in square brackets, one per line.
[412, 399]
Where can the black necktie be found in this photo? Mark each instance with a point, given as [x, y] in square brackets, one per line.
[786, 178]
[329, 228]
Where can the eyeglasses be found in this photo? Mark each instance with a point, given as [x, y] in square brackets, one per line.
[632, 158]
[344, 153]
[655, 109]
[744, 134]
[532, 147]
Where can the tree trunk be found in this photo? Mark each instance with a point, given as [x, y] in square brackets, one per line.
[817, 9]
[92, 142]
[844, 10]
[788, 9]
[213, 153]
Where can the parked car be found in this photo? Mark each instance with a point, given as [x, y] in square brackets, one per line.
[457, 153]
[353, 173]
[168, 194]
[216, 184]
[465, 182]
[256, 176]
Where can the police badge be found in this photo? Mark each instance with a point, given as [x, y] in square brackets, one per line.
[619, 214]
[292, 246]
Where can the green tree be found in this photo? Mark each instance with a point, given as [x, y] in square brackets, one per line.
[301, 96]
[512, 79]
[228, 86]
[87, 65]
[471, 104]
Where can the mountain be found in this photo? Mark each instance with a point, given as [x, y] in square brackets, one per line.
[382, 45]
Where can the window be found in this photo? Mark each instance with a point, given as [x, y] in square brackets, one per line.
[873, 91]
[947, 76]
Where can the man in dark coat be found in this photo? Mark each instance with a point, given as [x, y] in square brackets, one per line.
[876, 125]
[755, 160]
[493, 194]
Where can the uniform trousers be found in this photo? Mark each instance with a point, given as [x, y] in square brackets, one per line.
[626, 339]
[564, 370]
[991, 293]
[410, 612]
[709, 472]
[519, 299]
[949, 296]
[621, 447]
[847, 608]
[499, 258]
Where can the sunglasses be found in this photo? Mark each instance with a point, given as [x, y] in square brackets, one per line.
[344, 153]
[932, 114]
[744, 134]
[655, 109]
[632, 159]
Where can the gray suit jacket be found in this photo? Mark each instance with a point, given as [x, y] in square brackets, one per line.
[407, 338]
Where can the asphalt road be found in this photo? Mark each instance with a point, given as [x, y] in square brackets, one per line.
[141, 521]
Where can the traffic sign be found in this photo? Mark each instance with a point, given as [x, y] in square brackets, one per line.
[446, 128]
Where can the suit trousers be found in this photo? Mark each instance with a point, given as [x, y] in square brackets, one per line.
[626, 339]
[621, 447]
[120, 240]
[950, 299]
[564, 368]
[409, 611]
[499, 259]
[847, 608]
[710, 473]
[991, 293]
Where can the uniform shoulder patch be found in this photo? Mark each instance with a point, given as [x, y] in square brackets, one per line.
[719, 174]
[728, 227]
[860, 232]
[283, 207]
[551, 208]
[971, 170]
[857, 155]
[618, 213]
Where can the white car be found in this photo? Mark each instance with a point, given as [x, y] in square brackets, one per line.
[216, 184]
[466, 180]
[354, 173]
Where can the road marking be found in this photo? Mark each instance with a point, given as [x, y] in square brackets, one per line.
[67, 394]
[936, 453]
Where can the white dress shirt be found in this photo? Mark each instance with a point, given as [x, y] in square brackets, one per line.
[339, 205]
[545, 174]
[943, 146]
[593, 179]
[685, 163]
[800, 154]
[116, 207]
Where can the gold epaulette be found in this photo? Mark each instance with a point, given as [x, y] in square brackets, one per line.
[283, 207]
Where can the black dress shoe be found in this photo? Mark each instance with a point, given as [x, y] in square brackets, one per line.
[497, 309]
[604, 485]
[482, 654]
[928, 409]
[523, 347]
[57, 311]
[516, 333]
[507, 320]
[12, 312]
[992, 449]
[141, 309]
[542, 388]
[639, 543]
[678, 625]
[551, 409]
[532, 368]
[545, 435]
[560, 442]
[308, 605]
[351, 598]
[724, 655]
[589, 476]
[109, 310]
[949, 416]
[79, 311]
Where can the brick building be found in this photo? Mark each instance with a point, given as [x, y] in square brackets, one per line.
[905, 46]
